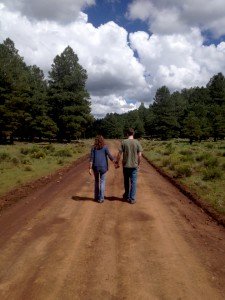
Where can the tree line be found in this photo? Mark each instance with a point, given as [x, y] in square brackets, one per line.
[59, 108]
[197, 113]
[32, 107]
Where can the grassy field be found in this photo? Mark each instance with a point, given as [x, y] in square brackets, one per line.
[24, 162]
[200, 167]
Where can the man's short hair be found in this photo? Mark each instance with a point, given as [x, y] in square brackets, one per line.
[130, 131]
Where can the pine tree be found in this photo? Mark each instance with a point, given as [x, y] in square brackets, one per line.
[68, 98]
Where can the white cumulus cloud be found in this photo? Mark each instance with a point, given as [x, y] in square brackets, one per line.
[65, 11]
[123, 69]
[175, 16]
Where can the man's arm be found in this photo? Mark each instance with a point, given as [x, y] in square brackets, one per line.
[118, 156]
[139, 158]
[117, 159]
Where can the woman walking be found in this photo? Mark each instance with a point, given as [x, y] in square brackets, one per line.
[99, 164]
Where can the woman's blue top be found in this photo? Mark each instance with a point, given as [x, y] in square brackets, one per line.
[99, 159]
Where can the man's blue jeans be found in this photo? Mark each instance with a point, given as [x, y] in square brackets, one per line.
[130, 182]
[99, 186]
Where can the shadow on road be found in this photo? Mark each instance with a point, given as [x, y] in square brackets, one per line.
[79, 198]
[111, 198]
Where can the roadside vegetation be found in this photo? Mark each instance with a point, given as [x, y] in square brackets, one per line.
[24, 162]
[200, 167]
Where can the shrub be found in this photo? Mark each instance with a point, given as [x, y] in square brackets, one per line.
[203, 156]
[28, 169]
[25, 161]
[4, 156]
[64, 153]
[183, 171]
[165, 162]
[79, 150]
[188, 158]
[211, 174]
[209, 146]
[172, 166]
[221, 147]
[211, 162]
[15, 161]
[169, 149]
[60, 162]
[34, 149]
[50, 147]
[201, 184]
[24, 151]
[38, 154]
[186, 152]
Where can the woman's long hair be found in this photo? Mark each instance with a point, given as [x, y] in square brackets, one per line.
[99, 142]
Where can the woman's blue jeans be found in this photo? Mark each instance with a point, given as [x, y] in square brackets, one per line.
[130, 182]
[99, 186]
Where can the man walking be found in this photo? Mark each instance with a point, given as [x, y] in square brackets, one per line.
[132, 153]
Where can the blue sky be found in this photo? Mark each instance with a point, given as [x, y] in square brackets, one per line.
[129, 48]
[104, 11]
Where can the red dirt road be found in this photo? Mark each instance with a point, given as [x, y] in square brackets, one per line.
[58, 244]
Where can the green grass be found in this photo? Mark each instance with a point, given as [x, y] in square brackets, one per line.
[200, 166]
[24, 162]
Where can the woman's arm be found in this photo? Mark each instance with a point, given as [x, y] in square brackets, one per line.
[91, 160]
[109, 154]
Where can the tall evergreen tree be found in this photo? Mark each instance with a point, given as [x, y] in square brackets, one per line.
[14, 99]
[199, 103]
[149, 123]
[217, 121]
[165, 121]
[134, 120]
[216, 87]
[112, 127]
[41, 125]
[192, 128]
[68, 98]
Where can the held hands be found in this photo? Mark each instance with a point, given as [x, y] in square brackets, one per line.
[116, 161]
[116, 164]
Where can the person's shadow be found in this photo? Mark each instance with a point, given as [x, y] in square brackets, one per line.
[111, 198]
[79, 198]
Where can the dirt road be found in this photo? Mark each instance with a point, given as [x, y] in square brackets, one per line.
[58, 244]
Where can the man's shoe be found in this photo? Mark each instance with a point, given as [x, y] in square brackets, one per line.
[125, 197]
[100, 201]
[132, 201]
